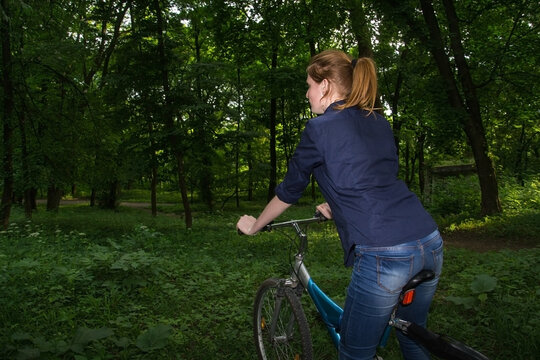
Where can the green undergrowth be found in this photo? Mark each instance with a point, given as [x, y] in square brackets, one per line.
[455, 205]
[92, 284]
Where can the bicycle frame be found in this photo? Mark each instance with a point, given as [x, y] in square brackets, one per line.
[331, 313]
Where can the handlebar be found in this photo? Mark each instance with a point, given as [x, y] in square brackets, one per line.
[317, 217]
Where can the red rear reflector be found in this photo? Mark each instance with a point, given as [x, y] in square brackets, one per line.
[408, 297]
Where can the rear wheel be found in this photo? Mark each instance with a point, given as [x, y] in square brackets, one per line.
[280, 327]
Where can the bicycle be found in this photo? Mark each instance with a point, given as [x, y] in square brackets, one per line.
[281, 329]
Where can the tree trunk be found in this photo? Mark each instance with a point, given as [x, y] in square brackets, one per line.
[204, 149]
[153, 183]
[183, 187]
[237, 139]
[25, 170]
[109, 197]
[476, 132]
[7, 166]
[520, 164]
[272, 126]
[407, 163]
[153, 196]
[54, 195]
[359, 26]
[93, 197]
[362, 36]
[32, 198]
[470, 110]
[169, 119]
[396, 122]
[250, 172]
[100, 62]
[312, 52]
[421, 139]
[310, 38]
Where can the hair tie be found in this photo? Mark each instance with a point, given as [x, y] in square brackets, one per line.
[353, 63]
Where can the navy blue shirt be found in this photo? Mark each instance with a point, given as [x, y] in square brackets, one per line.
[353, 157]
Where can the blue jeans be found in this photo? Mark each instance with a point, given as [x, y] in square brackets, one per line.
[378, 275]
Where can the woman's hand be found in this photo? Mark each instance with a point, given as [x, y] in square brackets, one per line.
[245, 224]
[249, 225]
[325, 210]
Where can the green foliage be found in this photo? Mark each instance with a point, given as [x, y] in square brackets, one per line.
[155, 338]
[84, 336]
[480, 286]
[455, 198]
[92, 101]
[87, 283]
[494, 293]
[454, 204]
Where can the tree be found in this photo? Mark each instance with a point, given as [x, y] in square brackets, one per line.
[110, 14]
[167, 113]
[8, 106]
[466, 108]
[210, 95]
[472, 121]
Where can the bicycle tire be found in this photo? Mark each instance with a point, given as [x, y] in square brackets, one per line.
[443, 346]
[291, 338]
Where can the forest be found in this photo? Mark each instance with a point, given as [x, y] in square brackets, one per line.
[194, 108]
[208, 98]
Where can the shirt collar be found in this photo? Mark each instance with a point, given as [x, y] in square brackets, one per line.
[331, 106]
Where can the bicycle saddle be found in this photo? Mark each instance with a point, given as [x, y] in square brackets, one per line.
[407, 293]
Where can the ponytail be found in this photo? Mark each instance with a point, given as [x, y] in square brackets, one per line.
[355, 80]
[364, 85]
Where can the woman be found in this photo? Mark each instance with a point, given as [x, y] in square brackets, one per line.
[386, 234]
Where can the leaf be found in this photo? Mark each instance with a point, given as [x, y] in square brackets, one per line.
[43, 345]
[123, 342]
[84, 336]
[19, 336]
[467, 302]
[28, 353]
[61, 347]
[483, 283]
[155, 338]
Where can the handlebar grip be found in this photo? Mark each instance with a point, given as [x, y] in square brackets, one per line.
[267, 227]
[320, 216]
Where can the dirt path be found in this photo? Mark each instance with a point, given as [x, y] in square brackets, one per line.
[139, 205]
[472, 240]
[480, 242]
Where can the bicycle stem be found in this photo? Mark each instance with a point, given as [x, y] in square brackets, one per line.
[303, 238]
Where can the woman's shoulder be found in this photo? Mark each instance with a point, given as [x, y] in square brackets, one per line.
[332, 116]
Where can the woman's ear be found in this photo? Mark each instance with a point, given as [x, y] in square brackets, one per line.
[324, 86]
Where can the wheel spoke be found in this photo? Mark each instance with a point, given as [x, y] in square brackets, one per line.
[281, 330]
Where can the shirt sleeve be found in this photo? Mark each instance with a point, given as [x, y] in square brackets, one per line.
[305, 158]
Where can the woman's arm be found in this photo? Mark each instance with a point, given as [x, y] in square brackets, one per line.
[249, 225]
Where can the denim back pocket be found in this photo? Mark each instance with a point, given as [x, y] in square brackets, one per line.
[437, 255]
[394, 272]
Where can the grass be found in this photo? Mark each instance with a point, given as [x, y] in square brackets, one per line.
[86, 283]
